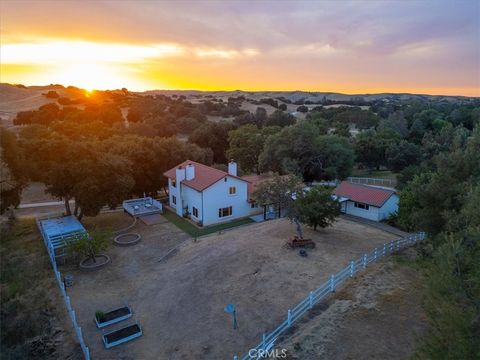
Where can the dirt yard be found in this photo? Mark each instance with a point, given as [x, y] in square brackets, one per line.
[377, 316]
[179, 302]
[35, 193]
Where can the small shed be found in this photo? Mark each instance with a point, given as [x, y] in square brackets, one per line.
[57, 233]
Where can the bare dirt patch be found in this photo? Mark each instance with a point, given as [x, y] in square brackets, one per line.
[378, 315]
[35, 193]
[179, 301]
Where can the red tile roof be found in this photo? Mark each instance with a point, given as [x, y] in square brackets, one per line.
[363, 193]
[254, 180]
[205, 176]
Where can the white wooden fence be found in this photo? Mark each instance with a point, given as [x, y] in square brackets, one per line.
[391, 183]
[328, 287]
[66, 298]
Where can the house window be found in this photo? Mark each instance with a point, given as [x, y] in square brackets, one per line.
[254, 205]
[174, 182]
[195, 211]
[232, 190]
[362, 206]
[174, 199]
[223, 212]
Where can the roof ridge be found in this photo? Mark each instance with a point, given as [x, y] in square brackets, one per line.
[370, 186]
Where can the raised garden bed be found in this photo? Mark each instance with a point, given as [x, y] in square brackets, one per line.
[127, 239]
[113, 316]
[123, 335]
[100, 261]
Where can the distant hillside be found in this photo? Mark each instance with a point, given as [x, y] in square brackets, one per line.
[314, 97]
[15, 98]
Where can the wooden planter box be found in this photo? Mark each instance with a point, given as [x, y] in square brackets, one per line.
[120, 336]
[114, 316]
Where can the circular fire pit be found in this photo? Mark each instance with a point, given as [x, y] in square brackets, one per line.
[127, 239]
[100, 261]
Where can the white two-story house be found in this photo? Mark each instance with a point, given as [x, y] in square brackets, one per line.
[208, 195]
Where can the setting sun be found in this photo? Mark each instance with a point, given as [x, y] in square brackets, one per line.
[90, 76]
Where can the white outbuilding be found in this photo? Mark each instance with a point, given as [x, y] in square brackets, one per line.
[369, 202]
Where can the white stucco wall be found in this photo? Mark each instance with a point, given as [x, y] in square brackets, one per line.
[172, 191]
[192, 198]
[211, 199]
[374, 213]
[390, 206]
[217, 196]
[371, 213]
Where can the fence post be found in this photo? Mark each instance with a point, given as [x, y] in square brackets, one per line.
[310, 298]
[375, 254]
[352, 267]
[289, 317]
[332, 283]
[264, 336]
[364, 261]
[398, 245]
[235, 357]
[74, 319]
[384, 251]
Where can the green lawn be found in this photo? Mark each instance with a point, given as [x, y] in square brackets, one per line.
[193, 231]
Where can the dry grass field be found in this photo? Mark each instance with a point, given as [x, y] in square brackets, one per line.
[377, 316]
[179, 302]
[34, 322]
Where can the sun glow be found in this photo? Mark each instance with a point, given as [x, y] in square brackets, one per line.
[54, 52]
[90, 76]
[86, 64]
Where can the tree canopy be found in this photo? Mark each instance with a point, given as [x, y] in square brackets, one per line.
[12, 176]
[317, 208]
[246, 144]
[301, 150]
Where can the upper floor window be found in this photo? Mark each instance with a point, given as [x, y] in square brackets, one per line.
[174, 182]
[232, 190]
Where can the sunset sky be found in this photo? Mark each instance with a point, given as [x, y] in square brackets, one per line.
[339, 46]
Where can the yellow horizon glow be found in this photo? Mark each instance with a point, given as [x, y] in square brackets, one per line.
[169, 66]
